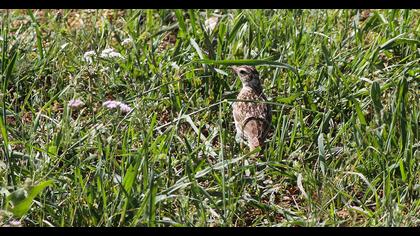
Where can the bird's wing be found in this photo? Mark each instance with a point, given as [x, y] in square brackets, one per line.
[254, 129]
[238, 115]
[254, 118]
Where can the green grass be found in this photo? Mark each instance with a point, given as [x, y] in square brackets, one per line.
[344, 149]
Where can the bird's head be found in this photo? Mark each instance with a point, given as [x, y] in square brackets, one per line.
[249, 76]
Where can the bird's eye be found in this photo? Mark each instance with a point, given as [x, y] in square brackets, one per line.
[242, 72]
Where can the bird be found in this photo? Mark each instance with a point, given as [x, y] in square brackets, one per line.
[252, 118]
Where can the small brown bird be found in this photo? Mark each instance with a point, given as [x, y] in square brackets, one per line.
[252, 119]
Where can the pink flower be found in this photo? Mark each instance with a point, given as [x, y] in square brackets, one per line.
[75, 103]
[15, 223]
[124, 108]
[111, 104]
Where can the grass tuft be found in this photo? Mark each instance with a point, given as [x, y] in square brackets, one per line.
[344, 148]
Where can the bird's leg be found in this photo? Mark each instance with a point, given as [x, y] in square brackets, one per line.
[240, 139]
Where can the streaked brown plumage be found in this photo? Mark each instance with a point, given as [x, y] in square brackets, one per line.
[252, 119]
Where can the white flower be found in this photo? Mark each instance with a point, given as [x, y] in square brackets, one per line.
[175, 66]
[89, 54]
[115, 55]
[127, 42]
[268, 181]
[87, 57]
[107, 51]
[110, 53]
[211, 23]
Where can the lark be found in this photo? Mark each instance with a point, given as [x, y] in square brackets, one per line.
[253, 117]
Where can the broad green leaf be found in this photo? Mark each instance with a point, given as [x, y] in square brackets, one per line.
[359, 112]
[390, 42]
[38, 34]
[197, 48]
[182, 27]
[241, 20]
[321, 152]
[288, 100]
[403, 174]
[9, 70]
[23, 203]
[3, 133]
[375, 94]
[129, 178]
